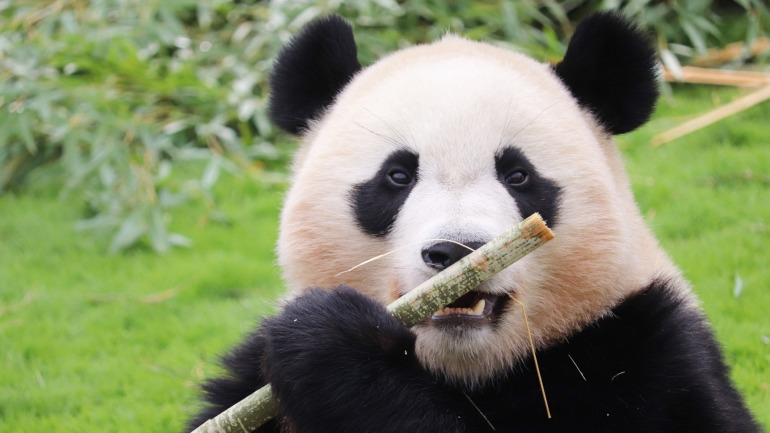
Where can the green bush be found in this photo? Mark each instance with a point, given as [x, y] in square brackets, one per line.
[115, 96]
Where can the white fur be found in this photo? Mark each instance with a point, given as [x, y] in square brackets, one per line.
[457, 103]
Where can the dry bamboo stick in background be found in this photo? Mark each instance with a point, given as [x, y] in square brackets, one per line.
[411, 309]
[732, 52]
[690, 74]
[713, 116]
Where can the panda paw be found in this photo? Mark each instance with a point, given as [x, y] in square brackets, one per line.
[327, 330]
[331, 350]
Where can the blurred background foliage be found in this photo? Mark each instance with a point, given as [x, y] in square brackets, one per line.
[135, 106]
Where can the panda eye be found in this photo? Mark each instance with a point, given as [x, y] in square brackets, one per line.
[517, 178]
[399, 177]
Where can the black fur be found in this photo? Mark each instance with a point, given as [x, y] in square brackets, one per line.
[310, 71]
[244, 368]
[537, 194]
[377, 201]
[340, 363]
[610, 68]
[651, 366]
[349, 362]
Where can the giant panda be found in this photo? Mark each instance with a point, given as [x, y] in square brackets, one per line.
[455, 142]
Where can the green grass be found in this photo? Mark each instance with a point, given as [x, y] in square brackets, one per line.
[707, 197]
[94, 342]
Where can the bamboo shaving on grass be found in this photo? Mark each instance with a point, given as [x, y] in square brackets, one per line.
[414, 307]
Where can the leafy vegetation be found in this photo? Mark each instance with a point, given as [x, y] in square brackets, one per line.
[118, 93]
[145, 121]
[95, 342]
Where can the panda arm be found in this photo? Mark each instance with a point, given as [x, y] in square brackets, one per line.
[243, 377]
[339, 362]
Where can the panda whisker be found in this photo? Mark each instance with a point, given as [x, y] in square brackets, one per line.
[480, 412]
[507, 122]
[534, 355]
[409, 128]
[578, 368]
[526, 125]
[399, 135]
[390, 139]
[375, 258]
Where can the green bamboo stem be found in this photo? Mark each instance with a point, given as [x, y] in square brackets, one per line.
[412, 308]
[469, 272]
[246, 415]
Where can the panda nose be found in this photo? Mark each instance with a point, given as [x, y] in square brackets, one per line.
[443, 254]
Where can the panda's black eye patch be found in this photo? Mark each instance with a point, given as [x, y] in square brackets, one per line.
[518, 177]
[376, 202]
[531, 191]
[399, 177]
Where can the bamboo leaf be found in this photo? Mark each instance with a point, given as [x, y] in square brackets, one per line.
[25, 131]
[132, 228]
[210, 174]
[157, 231]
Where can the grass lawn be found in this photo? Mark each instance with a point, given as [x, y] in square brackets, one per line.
[116, 343]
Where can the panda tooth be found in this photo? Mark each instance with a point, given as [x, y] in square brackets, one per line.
[478, 309]
[441, 312]
[446, 311]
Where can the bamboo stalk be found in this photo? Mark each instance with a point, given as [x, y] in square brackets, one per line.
[732, 52]
[690, 74]
[713, 116]
[411, 309]
[246, 415]
[468, 273]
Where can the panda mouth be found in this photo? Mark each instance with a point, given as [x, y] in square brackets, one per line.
[472, 305]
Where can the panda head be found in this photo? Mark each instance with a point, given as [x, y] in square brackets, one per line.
[453, 143]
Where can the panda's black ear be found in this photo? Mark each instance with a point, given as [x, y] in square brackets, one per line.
[610, 68]
[311, 69]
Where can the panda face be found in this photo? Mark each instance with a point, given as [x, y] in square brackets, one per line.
[441, 147]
